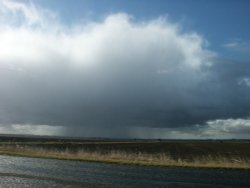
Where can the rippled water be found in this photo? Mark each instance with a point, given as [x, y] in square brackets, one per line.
[18, 172]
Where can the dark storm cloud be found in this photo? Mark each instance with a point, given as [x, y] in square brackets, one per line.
[114, 75]
[229, 81]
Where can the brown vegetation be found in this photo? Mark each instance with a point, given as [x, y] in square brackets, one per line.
[212, 154]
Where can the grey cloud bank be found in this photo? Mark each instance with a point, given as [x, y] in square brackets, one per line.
[115, 78]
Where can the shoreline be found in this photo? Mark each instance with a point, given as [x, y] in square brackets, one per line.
[123, 161]
[177, 153]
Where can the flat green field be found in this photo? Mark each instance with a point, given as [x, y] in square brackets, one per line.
[184, 153]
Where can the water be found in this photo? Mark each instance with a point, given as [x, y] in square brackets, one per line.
[19, 172]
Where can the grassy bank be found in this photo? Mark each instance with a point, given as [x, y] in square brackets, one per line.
[207, 154]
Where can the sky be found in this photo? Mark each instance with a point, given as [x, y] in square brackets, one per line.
[125, 69]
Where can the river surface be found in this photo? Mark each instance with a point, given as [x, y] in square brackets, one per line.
[20, 172]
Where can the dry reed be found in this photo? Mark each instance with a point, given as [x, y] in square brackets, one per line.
[125, 157]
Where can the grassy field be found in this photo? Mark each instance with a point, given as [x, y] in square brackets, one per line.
[209, 154]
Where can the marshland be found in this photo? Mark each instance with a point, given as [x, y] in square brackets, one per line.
[181, 153]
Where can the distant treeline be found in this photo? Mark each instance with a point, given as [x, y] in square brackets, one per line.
[34, 138]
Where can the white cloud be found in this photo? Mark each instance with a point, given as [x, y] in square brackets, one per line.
[226, 128]
[244, 82]
[238, 45]
[117, 71]
[31, 129]
[16, 13]
[117, 36]
[214, 129]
